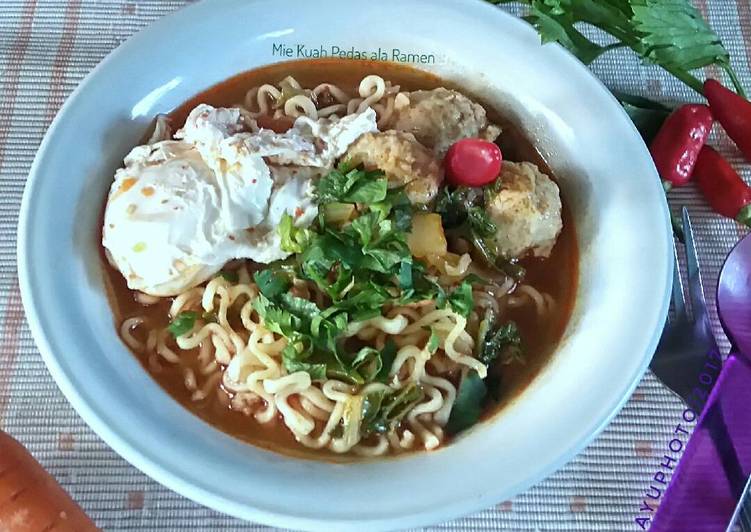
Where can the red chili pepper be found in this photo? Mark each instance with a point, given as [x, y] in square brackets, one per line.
[732, 112]
[722, 187]
[676, 146]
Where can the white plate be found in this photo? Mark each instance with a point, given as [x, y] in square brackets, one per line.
[606, 175]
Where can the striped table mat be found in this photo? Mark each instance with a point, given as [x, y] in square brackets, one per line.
[47, 46]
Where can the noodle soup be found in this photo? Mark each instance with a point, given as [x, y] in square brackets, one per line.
[300, 256]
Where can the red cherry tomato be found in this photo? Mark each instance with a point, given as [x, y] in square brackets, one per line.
[472, 162]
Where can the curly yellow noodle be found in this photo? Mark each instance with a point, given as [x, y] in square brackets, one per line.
[317, 413]
[401, 443]
[281, 389]
[441, 416]
[373, 91]
[163, 350]
[301, 106]
[126, 333]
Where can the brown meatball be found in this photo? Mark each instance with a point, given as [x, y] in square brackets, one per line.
[439, 117]
[405, 162]
[527, 211]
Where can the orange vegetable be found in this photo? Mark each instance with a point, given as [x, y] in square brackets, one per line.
[31, 500]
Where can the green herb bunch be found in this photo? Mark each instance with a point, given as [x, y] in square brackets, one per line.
[362, 265]
[668, 33]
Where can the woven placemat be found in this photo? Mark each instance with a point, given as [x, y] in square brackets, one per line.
[47, 46]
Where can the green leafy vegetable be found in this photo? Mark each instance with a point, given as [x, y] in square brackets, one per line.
[381, 410]
[362, 262]
[274, 317]
[183, 323]
[369, 189]
[480, 222]
[371, 407]
[668, 33]
[463, 215]
[396, 206]
[468, 404]
[294, 239]
[316, 371]
[434, 341]
[497, 341]
[270, 283]
[453, 204]
[311, 337]
[489, 251]
[368, 363]
[461, 300]
[405, 276]
[503, 343]
[388, 355]
[352, 186]
[494, 343]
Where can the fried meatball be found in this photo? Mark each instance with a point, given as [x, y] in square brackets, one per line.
[526, 210]
[405, 162]
[439, 117]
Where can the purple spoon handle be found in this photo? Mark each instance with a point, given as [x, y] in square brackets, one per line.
[711, 475]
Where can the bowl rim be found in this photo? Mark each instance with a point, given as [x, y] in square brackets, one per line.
[174, 480]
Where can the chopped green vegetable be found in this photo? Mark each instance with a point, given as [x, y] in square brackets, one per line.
[311, 336]
[461, 300]
[381, 411]
[368, 363]
[183, 323]
[496, 341]
[434, 341]
[362, 263]
[468, 404]
[274, 317]
[668, 33]
[489, 251]
[503, 343]
[317, 372]
[487, 323]
[371, 407]
[480, 222]
[352, 186]
[397, 207]
[270, 283]
[294, 239]
[493, 343]
[352, 420]
[388, 355]
[454, 204]
[463, 215]
[405, 276]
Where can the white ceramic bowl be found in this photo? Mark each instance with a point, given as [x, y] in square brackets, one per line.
[606, 176]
